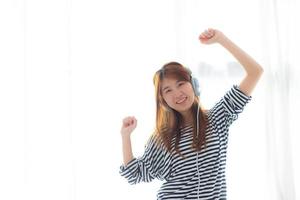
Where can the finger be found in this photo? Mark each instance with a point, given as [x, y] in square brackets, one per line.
[135, 121]
[126, 121]
[203, 36]
[131, 119]
[208, 33]
[211, 30]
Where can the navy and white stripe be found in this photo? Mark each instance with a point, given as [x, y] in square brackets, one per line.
[180, 174]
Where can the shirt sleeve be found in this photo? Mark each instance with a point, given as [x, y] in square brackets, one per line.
[230, 106]
[152, 164]
[234, 102]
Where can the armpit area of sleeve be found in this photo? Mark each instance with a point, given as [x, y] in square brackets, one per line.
[235, 100]
[125, 170]
[239, 93]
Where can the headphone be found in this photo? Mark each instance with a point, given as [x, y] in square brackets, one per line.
[195, 85]
[195, 82]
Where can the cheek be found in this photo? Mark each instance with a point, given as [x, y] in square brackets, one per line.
[168, 100]
[190, 90]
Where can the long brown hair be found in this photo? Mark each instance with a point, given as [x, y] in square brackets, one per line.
[168, 120]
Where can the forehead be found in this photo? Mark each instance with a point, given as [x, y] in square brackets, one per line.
[167, 82]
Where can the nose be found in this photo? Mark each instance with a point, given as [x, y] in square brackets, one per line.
[178, 94]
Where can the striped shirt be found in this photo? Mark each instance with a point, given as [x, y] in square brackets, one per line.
[188, 177]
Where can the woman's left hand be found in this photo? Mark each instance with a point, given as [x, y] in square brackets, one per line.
[211, 36]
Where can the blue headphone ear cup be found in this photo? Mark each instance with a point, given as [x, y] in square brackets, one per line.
[195, 84]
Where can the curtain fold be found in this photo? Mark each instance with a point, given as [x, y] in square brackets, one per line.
[279, 44]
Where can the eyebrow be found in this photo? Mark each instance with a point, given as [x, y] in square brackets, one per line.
[169, 86]
[165, 88]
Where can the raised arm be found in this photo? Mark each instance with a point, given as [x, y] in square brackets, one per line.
[129, 124]
[154, 163]
[252, 68]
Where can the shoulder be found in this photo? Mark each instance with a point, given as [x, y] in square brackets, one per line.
[154, 141]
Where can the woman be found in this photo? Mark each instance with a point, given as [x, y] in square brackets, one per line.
[188, 147]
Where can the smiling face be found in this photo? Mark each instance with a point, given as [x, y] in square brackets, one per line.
[178, 94]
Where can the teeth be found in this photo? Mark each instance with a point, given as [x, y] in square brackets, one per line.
[182, 100]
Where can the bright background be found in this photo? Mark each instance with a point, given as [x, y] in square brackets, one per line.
[71, 70]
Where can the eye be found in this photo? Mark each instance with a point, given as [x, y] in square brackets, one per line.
[167, 91]
[181, 83]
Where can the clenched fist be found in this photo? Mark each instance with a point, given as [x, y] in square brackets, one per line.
[129, 124]
[211, 36]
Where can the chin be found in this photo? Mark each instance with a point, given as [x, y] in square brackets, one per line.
[184, 109]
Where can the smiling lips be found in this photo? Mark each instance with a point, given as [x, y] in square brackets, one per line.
[181, 100]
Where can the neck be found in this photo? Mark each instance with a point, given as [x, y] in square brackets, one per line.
[187, 118]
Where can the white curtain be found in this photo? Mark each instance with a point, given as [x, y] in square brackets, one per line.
[70, 70]
[281, 45]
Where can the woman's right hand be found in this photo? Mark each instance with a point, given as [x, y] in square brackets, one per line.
[129, 124]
